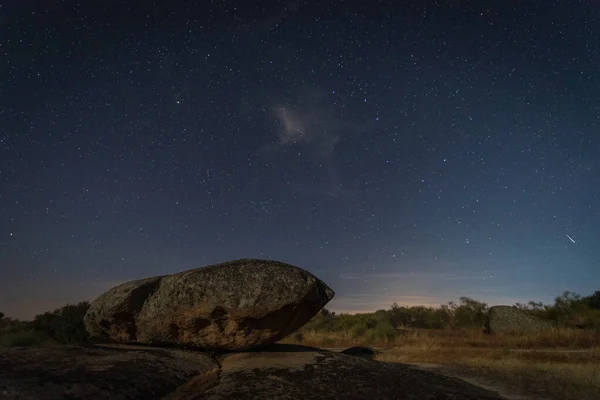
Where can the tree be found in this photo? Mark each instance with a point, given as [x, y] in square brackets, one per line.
[399, 316]
[442, 317]
[1, 315]
[469, 313]
[594, 300]
[568, 309]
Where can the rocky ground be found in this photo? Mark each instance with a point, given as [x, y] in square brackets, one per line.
[276, 372]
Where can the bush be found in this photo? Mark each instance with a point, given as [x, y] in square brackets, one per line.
[65, 325]
[370, 336]
[593, 300]
[359, 330]
[22, 338]
[385, 330]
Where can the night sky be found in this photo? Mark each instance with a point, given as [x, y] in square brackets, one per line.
[402, 151]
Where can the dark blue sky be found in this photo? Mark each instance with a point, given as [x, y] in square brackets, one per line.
[402, 151]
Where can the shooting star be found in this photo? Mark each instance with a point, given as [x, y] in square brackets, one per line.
[570, 238]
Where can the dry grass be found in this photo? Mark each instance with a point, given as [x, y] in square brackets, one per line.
[554, 338]
[557, 364]
[551, 374]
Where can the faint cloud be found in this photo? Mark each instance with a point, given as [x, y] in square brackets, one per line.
[294, 130]
[306, 128]
[309, 125]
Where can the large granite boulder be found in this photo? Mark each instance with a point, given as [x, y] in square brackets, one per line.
[278, 373]
[78, 373]
[236, 305]
[509, 319]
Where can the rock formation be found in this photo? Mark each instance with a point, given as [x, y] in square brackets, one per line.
[276, 373]
[297, 372]
[511, 319]
[235, 305]
[360, 351]
[72, 372]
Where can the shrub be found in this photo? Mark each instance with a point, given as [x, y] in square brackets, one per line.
[22, 338]
[385, 330]
[593, 300]
[65, 325]
[359, 330]
[370, 336]
[469, 313]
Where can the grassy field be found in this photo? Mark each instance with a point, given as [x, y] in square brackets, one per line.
[556, 364]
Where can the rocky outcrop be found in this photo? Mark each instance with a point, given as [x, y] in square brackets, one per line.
[296, 372]
[360, 351]
[236, 305]
[78, 373]
[280, 372]
[510, 319]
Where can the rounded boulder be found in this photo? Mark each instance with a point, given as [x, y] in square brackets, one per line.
[233, 306]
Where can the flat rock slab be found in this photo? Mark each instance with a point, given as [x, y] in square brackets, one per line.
[297, 372]
[72, 372]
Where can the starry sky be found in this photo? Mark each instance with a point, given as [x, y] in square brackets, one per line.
[402, 151]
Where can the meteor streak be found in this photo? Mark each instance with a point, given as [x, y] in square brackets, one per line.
[570, 238]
